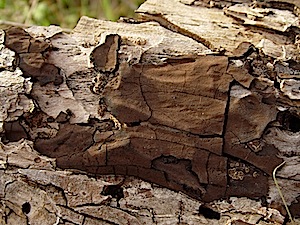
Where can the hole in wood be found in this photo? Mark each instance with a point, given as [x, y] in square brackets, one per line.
[209, 213]
[289, 121]
[26, 207]
[113, 190]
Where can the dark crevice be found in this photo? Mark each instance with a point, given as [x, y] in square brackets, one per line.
[209, 213]
[26, 207]
[276, 84]
[83, 221]
[181, 59]
[226, 113]
[289, 121]
[134, 124]
[116, 191]
[180, 211]
[286, 220]
[153, 215]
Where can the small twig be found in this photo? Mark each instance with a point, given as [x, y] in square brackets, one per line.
[280, 193]
[6, 24]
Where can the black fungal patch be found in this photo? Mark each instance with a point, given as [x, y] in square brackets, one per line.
[26, 207]
[209, 213]
[115, 191]
[289, 121]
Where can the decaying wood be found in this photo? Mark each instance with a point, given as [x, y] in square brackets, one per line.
[179, 117]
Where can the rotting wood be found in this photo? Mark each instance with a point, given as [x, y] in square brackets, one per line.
[207, 106]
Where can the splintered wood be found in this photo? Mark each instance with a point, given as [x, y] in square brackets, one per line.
[179, 117]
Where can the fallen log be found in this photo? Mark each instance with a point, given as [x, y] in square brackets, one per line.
[179, 117]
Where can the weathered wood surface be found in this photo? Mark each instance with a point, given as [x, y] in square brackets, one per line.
[198, 97]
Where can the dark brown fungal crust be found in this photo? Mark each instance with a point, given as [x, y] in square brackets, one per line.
[104, 56]
[32, 54]
[184, 125]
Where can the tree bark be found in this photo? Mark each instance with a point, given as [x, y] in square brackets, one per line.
[178, 117]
